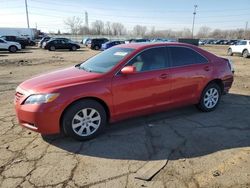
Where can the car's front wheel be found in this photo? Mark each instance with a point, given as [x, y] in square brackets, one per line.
[210, 98]
[84, 119]
[73, 48]
[52, 48]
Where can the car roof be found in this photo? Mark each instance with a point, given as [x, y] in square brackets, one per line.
[143, 45]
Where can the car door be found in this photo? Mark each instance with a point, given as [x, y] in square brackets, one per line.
[3, 44]
[190, 71]
[142, 91]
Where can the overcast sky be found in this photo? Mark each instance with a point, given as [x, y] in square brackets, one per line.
[163, 14]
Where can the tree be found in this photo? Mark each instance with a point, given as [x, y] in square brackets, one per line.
[74, 24]
[139, 30]
[98, 27]
[108, 28]
[203, 32]
[118, 29]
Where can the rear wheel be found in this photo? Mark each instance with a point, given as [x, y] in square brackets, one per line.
[210, 98]
[229, 52]
[245, 53]
[73, 48]
[52, 48]
[12, 49]
[84, 119]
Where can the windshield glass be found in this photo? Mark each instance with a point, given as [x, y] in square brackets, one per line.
[242, 42]
[106, 60]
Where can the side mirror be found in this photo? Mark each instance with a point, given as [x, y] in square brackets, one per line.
[128, 70]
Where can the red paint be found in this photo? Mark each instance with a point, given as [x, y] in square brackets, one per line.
[126, 95]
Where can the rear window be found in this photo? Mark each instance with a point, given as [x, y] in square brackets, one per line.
[182, 56]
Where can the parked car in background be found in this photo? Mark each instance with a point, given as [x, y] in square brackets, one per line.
[23, 41]
[43, 40]
[10, 46]
[96, 44]
[210, 41]
[233, 42]
[61, 43]
[202, 42]
[242, 48]
[85, 41]
[109, 44]
[124, 81]
[139, 40]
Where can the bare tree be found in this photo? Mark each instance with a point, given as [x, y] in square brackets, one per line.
[203, 32]
[139, 30]
[118, 29]
[73, 24]
[98, 27]
[108, 28]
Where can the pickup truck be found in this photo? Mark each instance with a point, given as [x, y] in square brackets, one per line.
[242, 48]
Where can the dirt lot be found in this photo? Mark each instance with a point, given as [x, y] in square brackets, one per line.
[188, 148]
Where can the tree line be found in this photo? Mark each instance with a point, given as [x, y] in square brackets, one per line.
[98, 27]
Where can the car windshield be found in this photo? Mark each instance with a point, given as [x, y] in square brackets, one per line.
[242, 42]
[105, 61]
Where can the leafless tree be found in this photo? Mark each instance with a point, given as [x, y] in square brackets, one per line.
[203, 32]
[98, 27]
[118, 29]
[73, 24]
[139, 30]
[108, 28]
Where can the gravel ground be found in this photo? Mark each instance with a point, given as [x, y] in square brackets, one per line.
[196, 149]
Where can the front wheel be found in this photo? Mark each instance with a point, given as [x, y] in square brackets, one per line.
[73, 48]
[210, 98]
[52, 48]
[84, 119]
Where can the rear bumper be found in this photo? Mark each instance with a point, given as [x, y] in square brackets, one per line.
[227, 84]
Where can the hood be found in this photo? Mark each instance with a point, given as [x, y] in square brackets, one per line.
[58, 79]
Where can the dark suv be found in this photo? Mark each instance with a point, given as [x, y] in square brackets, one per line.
[61, 43]
[96, 44]
[23, 41]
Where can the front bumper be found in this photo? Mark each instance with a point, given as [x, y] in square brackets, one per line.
[42, 118]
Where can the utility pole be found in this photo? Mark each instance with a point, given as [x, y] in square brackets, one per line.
[27, 14]
[194, 13]
[86, 19]
[246, 28]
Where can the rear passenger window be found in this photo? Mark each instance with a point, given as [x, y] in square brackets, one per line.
[151, 59]
[182, 56]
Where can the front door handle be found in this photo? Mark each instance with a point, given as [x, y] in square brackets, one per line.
[163, 76]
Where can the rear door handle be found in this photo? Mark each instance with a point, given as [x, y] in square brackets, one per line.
[163, 76]
[207, 68]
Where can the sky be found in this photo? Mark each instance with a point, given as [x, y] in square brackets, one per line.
[48, 15]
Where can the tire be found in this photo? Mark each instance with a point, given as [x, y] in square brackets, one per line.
[52, 48]
[84, 120]
[73, 48]
[230, 52]
[96, 47]
[245, 53]
[23, 46]
[13, 49]
[210, 98]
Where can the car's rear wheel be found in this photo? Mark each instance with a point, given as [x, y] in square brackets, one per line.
[84, 119]
[210, 98]
[245, 53]
[52, 48]
[229, 52]
[12, 49]
[73, 48]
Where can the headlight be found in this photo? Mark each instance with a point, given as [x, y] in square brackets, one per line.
[41, 98]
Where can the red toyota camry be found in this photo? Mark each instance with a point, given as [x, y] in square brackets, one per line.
[124, 81]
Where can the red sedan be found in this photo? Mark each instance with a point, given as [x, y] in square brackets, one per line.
[124, 81]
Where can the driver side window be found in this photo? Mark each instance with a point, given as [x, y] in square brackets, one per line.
[151, 59]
